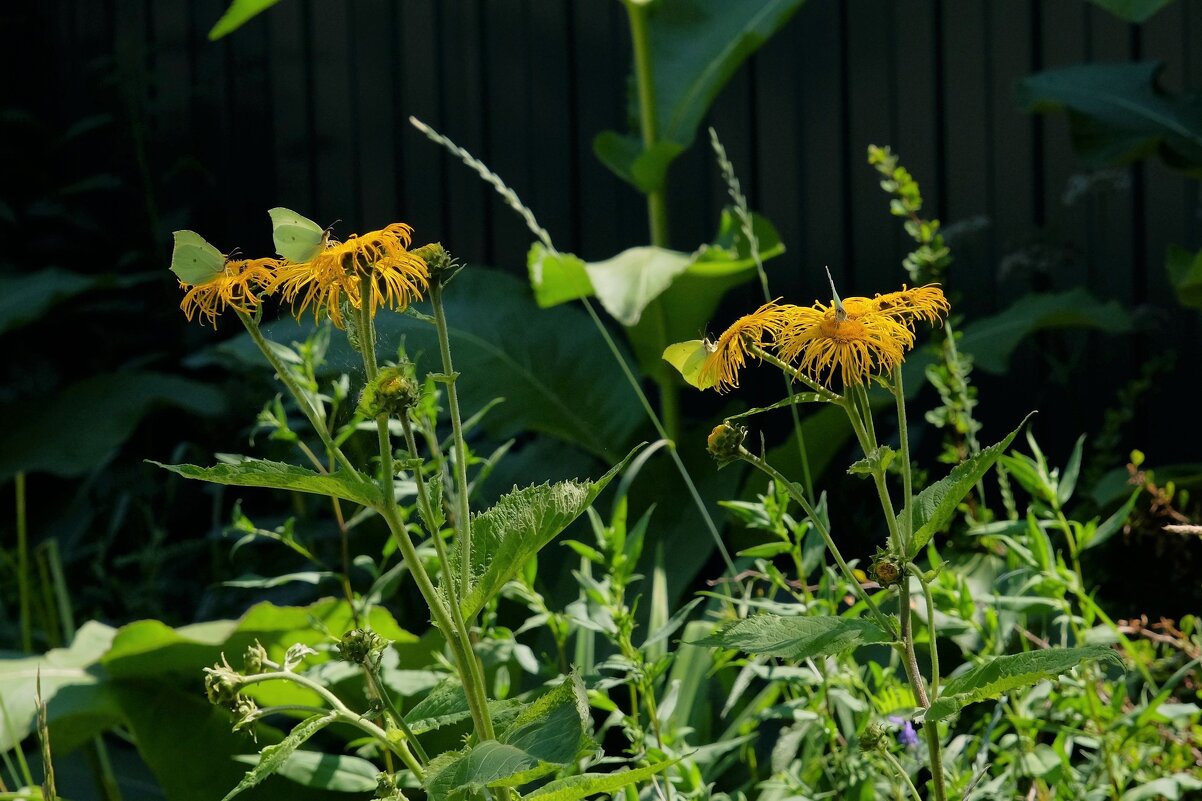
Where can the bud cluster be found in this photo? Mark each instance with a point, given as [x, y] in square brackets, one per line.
[362, 646]
[725, 442]
[394, 391]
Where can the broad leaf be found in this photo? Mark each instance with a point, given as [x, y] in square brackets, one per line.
[74, 687]
[992, 340]
[696, 46]
[1185, 273]
[795, 638]
[628, 282]
[574, 788]
[1002, 674]
[273, 757]
[1132, 10]
[556, 277]
[933, 508]
[446, 705]
[25, 297]
[82, 426]
[338, 773]
[1118, 113]
[238, 14]
[279, 475]
[544, 736]
[505, 537]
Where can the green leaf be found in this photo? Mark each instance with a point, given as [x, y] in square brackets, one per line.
[273, 757]
[1002, 674]
[446, 705]
[193, 260]
[1118, 113]
[933, 508]
[81, 427]
[296, 237]
[74, 687]
[1185, 273]
[547, 734]
[517, 527]
[556, 277]
[696, 46]
[992, 340]
[277, 475]
[573, 788]
[794, 637]
[336, 773]
[1132, 10]
[238, 14]
[628, 282]
[1170, 788]
[25, 297]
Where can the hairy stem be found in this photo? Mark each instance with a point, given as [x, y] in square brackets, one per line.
[897, 767]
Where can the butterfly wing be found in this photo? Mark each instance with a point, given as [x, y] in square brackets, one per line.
[296, 237]
[688, 358]
[193, 260]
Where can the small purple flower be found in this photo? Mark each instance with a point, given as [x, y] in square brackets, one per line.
[907, 736]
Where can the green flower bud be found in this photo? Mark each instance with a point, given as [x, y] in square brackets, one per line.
[886, 569]
[386, 786]
[221, 683]
[874, 737]
[725, 441]
[439, 262]
[255, 659]
[393, 392]
[361, 646]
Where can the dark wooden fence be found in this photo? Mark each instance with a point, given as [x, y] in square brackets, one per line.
[307, 107]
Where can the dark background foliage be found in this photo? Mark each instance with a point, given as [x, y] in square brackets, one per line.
[121, 122]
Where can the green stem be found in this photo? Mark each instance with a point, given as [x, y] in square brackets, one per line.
[23, 565]
[463, 526]
[471, 674]
[302, 401]
[903, 430]
[394, 714]
[860, 407]
[892, 760]
[926, 592]
[825, 533]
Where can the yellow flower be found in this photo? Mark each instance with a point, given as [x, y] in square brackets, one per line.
[907, 305]
[729, 354]
[233, 287]
[855, 340]
[394, 276]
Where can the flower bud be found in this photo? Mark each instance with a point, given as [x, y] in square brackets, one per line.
[438, 261]
[254, 660]
[725, 441]
[393, 392]
[361, 646]
[875, 736]
[221, 684]
[886, 569]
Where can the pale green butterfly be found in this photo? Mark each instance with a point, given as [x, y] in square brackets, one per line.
[193, 260]
[688, 358]
[296, 237]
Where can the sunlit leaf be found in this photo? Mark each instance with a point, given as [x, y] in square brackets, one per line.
[798, 637]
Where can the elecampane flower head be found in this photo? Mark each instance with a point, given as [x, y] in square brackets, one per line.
[926, 303]
[378, 261]
[729, 353]
[233, 287]
[852, 339]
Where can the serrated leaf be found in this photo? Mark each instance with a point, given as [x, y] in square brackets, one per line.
[446, 705]
[1005, 673]
[273, 757]
[279, 475]
[932, 509]
[795, 637]
[517, 527]
[879, 459]
[574, 788]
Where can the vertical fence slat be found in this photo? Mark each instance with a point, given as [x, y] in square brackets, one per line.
[422, 163]
[374, 98]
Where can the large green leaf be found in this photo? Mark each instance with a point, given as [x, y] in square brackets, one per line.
[278, 475]
[238, 14]
[1117, 113]
[1185, 273]
[799, 637]
[546, 735]
[991, 340]
[630, 281]
[696, 46]
[573, 788]
[74, 687]
[505, 537]
[1132, 10]
[80, 427]
[933, 508]
[446, 705]
[26, 297]
[1002, 674]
